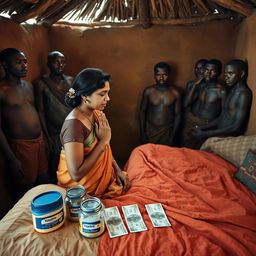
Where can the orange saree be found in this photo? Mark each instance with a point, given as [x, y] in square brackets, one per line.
[101, 180]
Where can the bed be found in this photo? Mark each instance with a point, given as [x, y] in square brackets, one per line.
[211, 212]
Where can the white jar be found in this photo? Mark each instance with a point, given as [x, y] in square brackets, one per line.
[91, 218]
[74, 196]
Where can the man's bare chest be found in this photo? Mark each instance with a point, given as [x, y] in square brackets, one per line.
[59, 89]
[209, 95]
[17, 97]
[232, 101]
[165, 98]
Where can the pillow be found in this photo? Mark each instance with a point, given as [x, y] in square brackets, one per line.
[247, 172]
[233, 149]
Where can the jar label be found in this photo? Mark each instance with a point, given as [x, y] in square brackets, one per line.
[49, 221]
[91, 228]
[73, 211]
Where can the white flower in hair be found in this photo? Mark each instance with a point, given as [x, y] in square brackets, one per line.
[71, 93]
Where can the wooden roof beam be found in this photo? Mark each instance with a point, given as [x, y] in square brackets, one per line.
[60, 13]
[237, 6]
[31, 1]
[51, 10]
[4, 4]
[33, 11]
[202, 6]
[154, 21]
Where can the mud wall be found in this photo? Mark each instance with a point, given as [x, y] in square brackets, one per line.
[129, 55]
[245, 49]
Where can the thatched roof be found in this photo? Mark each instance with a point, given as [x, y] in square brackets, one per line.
[127, 12]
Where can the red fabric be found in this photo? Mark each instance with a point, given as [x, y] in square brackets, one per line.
[211, 212]
[32, 155]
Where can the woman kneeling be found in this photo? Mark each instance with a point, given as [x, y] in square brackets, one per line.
[86, 158]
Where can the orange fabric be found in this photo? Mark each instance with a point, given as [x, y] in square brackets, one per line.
[32, 156]
[100, 181]
[211, 212]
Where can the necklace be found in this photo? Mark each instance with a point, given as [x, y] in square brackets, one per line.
[84, 115]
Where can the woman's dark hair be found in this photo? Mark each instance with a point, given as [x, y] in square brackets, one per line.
[86, 82]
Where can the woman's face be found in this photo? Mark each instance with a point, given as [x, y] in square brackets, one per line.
[99, 99]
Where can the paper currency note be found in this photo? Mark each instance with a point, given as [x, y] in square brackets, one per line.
[157, 215]
[114, 222]
[133, 218]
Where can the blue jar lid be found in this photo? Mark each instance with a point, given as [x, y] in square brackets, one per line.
[46, 202]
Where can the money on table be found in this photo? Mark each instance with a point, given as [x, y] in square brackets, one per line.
[114, 222]
[133, 218]
[157, 215]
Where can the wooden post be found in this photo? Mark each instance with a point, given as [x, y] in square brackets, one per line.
[144, 13]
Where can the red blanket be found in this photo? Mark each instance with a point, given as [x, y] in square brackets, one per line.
[211, 212]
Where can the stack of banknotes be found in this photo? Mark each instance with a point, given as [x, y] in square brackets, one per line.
[133, 218]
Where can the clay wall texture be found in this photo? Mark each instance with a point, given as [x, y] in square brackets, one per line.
[246, 49]
[129, 55]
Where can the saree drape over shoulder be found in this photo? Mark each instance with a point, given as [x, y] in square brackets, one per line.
[100, 181]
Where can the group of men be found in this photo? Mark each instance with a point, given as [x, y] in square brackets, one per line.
[210, 107]
[32, 114]
[29, 116]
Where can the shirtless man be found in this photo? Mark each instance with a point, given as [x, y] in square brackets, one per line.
[50, 91]
[20, 130]
[160, 109]
[199, 75]
[206, 99]
[199, 70]
[235, 114]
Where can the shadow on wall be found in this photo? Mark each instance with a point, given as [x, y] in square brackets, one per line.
[2, 72]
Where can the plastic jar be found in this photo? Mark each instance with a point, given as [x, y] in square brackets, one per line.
[75, 195]
[91, 218]
[47, 211]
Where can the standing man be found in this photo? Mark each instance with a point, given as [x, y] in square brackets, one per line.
[21, 136]
[50, 93]
[160, 109]
[191, 99]
[199, 70]
[236, 111]
[205, 101]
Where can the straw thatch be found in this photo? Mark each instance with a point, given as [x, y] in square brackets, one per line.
[126, 12]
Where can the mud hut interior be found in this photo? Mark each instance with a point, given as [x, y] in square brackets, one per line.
[126, 38]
